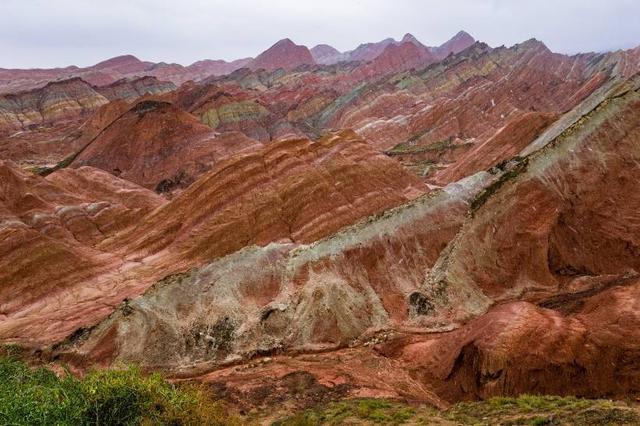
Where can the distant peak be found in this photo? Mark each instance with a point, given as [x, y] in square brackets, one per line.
[122, 59]
[462, 34]
[323, 46]
[285, 42]
[324, 49]
[408, 37]
[284, 54]
[533, 43]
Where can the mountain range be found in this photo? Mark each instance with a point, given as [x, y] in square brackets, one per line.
[432, 224]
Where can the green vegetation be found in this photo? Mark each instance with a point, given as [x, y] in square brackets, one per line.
[543, 410]
[371, 411]
[37, 396]
[107, 397]
[521, 166]
[408, 147]
[44, 171]
[524, 410]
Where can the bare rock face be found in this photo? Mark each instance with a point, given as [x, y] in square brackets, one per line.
[114, 70]
[575, 348]
[43, 128]
[434, 124]
[125, 64]
[179, 74]
[567, 206]
[284, 54]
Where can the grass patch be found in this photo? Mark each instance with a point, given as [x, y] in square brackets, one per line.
[520, 167]
[103, 397]
[408, 147]
[45, 171]
[543, 410]
[369, 411]
[524, 410]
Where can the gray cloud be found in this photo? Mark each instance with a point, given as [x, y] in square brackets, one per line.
[45, 33]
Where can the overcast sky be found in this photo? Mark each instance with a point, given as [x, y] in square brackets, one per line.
[47, 33]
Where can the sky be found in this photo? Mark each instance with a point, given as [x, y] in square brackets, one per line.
[50, 33]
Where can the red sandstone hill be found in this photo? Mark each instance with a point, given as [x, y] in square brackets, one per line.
[370, 51]
[284, 54]
[288, 191]
[128, 66]
[158, 146]
[115, 69]
[49, 229]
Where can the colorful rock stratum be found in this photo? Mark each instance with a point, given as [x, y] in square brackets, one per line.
[434, 224]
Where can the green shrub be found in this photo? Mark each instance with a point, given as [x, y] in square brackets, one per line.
[103, 397]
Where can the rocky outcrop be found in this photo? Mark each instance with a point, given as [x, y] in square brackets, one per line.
[199, 70]
[115, 69]
[70, 100]
[561, 201]
[284, 54]
[125, 64]
[369, 51]
[576, 347]
[440, 117]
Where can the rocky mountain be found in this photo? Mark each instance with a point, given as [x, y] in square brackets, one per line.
[369, 51]
[325, 54]
[396, 58]
[129, 67]
[431, 224]
[455, 44]
[284, 54]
